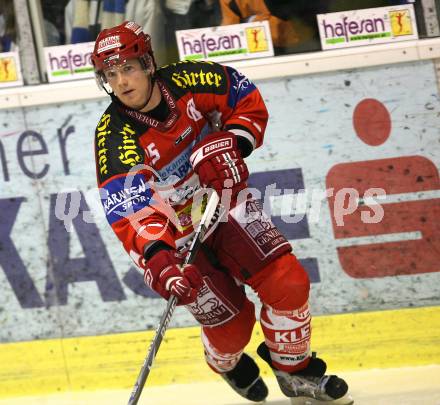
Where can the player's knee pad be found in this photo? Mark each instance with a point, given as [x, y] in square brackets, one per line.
[282, 285]
[224, 343]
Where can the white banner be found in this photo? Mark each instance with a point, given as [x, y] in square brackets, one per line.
[369, 26]
[330, 139]
[226, 42]
[69, 62]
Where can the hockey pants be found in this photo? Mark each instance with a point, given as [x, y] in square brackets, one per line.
[252, 252]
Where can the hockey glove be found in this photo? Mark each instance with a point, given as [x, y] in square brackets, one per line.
[165, 274]
[218, 162]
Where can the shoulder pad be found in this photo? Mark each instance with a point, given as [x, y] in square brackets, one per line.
[117, 146]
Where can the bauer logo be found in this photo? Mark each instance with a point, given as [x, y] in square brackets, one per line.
[369, 26]
[224, 43]
[69, 62]
[217, 146]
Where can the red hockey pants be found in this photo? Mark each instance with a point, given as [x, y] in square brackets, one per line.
[252, 252]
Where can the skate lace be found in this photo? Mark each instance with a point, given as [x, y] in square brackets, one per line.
[321, 385]
[309, 386]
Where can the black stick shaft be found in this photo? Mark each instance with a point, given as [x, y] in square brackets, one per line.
[172, 302]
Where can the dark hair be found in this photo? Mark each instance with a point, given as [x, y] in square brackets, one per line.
[7, 10]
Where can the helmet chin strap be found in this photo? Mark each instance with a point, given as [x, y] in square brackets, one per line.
[150, 93]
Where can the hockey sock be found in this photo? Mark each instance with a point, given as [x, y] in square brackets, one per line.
[287, 335]
[219, 362]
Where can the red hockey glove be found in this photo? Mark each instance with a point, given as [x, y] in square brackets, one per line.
[218, 162]
[165, 274]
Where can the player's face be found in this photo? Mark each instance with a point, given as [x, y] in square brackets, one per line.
[129, 82]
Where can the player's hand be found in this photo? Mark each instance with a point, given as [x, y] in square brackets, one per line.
[166, 275]
[218, 162]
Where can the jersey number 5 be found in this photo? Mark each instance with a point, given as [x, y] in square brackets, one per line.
[153, 153]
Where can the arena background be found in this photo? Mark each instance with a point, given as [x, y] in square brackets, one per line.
[73, 309]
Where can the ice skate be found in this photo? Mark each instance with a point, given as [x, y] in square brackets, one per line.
[245, 379]
[310, 386]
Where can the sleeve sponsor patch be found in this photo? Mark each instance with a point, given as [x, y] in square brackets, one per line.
[124, 196]
[240, 86]
[102, 133]
[199, 77]
[116, 146]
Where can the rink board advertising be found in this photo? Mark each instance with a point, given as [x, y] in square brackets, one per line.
[349, 168]
[369, 26]
[69, 62]
[226, 42]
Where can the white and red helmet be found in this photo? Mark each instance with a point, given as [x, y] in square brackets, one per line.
[118, 44]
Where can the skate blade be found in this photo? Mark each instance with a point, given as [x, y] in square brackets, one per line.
[345, 400]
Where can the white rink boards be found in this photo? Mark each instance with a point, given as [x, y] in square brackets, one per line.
[399, 386]
[78, 281]
[72, 305]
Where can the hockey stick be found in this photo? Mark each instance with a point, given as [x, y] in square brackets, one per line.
[172, 302]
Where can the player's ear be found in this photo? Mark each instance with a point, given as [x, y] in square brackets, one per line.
[149, 65]
[151, 71]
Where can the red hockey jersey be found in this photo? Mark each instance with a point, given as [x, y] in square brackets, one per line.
[144, 174]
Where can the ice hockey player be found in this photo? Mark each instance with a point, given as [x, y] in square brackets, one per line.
[166, 134]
